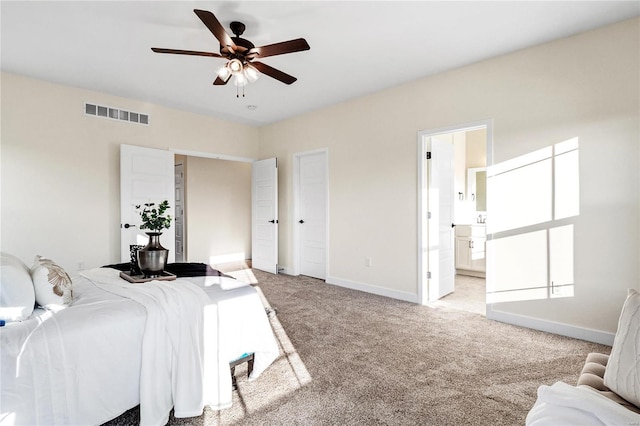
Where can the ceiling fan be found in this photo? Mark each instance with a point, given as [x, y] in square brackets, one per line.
[240, 53]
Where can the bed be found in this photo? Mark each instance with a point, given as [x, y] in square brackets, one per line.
[160, 345]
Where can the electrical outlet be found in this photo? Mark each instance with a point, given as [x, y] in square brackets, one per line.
[367, 262]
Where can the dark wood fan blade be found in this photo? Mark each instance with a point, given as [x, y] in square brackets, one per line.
[215, 27]
[281, 48]
[220, 82]
[274, 73]
[186, 52]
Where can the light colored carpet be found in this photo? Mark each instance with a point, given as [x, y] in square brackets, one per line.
[352, 358]
[469, 295]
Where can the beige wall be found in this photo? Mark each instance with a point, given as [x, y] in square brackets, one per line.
[60, 184]
[585, 86]
[60, 168]
[476, 148]
[218, 209]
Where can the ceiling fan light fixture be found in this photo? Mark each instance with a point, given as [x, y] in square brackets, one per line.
[240, 80]
[251, 73]
[235, 66]
[224, 73]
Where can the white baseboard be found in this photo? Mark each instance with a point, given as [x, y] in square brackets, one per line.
[581, 333]
[368, 288]
[590, 335]
[469, 273]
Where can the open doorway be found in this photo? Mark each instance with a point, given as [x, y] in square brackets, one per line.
[213, 210]
[453, 215]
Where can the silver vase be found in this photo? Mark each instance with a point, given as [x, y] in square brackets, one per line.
[152, 259]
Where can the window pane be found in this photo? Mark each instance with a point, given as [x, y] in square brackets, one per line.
[561, 261]
[567, 185]
[520, 197]
[521, 273]
[566, 146]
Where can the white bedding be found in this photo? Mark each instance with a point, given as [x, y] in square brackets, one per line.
[563, 404]
[244, 321]
[86, 364]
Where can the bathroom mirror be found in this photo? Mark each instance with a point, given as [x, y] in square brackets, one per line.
[477, 188]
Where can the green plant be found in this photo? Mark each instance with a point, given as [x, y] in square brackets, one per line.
[153, 218]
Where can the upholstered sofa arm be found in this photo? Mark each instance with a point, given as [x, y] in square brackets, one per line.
[592, 376]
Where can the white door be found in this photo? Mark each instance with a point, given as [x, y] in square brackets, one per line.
[146, 175]
[440, 229]
[264, 215]
[312, 213]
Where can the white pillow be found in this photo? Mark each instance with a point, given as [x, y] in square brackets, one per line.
[52, 284]
[623, 369]
[17, 297]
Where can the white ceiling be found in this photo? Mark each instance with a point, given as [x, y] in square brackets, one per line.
[357, 47]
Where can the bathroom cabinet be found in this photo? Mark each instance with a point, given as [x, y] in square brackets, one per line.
[471, 250]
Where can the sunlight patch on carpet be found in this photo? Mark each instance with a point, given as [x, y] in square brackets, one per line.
[286, 376]
[244, 275]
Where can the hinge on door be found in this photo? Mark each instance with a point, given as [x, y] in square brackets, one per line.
[428, 215]
[428, 155]
[429, 275]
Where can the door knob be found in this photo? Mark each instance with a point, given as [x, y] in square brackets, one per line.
[453, 225]
[301, 221]
[273, 221]
[127, 226]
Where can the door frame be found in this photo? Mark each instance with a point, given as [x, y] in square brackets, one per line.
[423, 237]
[296, 209]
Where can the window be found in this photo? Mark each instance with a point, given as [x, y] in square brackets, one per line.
[532, 199]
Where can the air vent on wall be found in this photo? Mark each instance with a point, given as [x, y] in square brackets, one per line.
[115, 114]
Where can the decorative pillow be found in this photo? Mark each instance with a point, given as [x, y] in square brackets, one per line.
[52, 284]
[623, 369]
[17, 297]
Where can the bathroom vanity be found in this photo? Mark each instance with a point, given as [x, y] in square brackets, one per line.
[471, 249]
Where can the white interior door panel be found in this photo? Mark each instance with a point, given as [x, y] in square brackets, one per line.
[264, 215]
[146, 175]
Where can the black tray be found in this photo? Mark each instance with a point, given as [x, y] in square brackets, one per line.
[138, 279]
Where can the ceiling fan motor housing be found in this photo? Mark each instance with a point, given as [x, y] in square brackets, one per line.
[244, 46]
[237, 28]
